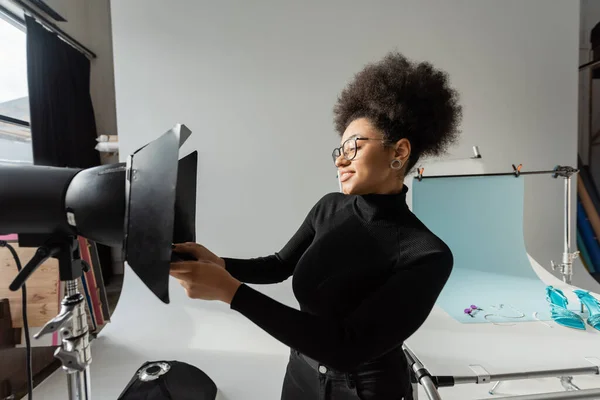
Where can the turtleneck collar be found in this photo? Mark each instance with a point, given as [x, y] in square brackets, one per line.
[382, 206]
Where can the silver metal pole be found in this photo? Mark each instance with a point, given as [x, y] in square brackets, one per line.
[567, 220]
[78, 385]
[423, 377]
[430, 388]
[551, 373]
[566, 266]
[75, 352]
[579, 394]
[567, 256]
[593, 370]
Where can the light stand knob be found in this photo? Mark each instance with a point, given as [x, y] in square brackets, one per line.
[63, 319]
[69, 359]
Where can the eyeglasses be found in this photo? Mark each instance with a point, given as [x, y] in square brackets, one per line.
[348, 149]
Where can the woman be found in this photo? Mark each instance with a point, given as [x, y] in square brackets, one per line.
[366, 271]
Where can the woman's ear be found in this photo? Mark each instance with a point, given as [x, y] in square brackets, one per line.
[402, 149]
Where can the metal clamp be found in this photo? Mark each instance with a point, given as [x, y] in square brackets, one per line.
[70, 359]
[517, 170]
[564, 171]
[64, 318]
[483, 376]
[565, 268]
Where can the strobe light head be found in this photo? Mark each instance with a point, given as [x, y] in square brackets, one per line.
[143, 205]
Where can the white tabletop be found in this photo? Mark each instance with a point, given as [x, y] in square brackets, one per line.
[447, 347]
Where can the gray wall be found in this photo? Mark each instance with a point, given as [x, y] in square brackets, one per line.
[256, 82]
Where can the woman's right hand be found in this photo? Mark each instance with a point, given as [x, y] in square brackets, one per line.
[199, 252]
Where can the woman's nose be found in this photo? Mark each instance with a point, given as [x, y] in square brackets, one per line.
[341, 161]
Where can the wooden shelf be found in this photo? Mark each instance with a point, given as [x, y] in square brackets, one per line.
[42, 288]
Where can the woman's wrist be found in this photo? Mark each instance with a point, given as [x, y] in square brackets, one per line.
[230, 290]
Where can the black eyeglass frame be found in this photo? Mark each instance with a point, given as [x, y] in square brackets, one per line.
[340, 150]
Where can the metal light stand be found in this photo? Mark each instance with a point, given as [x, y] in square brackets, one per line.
[566, 267]
[71, 322]
[431, 383]
[75, 353]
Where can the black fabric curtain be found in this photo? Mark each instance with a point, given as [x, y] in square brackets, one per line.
[63, 127]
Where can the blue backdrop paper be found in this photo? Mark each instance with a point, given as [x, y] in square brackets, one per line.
[481, 220]
[583, 252]
[588, 236]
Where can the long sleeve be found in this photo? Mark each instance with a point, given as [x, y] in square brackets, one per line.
[384, 319]
[276, 267]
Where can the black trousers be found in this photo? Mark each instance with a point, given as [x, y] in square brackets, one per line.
[307, 379]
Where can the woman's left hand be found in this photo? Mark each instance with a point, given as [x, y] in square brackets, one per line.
[205, 280]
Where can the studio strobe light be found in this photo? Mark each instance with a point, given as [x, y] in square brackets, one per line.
[141, 206]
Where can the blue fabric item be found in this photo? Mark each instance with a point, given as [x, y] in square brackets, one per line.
[481, 220]
[588, 235]
[560, 313]
[592, 305]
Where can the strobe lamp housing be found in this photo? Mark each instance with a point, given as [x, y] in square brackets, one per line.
[142, 206]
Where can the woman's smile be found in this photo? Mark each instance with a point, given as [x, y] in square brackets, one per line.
[345, 175]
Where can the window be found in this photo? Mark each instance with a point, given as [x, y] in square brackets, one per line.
[15, 135]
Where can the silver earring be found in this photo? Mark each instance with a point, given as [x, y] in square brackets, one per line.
[396, 164]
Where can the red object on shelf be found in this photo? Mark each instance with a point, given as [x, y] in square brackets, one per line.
[9, 238]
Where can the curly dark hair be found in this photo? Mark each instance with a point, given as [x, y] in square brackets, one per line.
[403, 99]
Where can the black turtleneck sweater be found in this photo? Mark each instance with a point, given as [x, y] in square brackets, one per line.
[366, 273]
